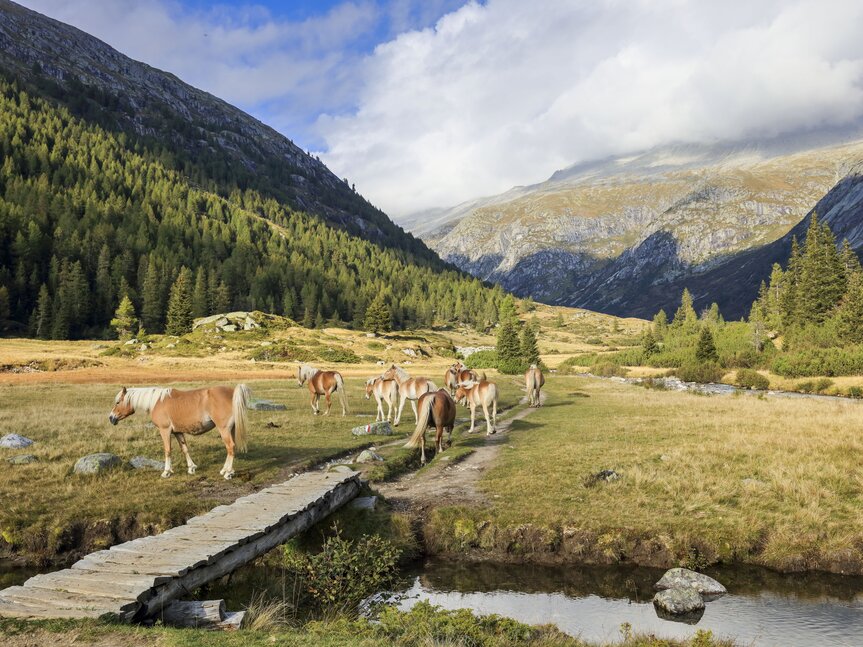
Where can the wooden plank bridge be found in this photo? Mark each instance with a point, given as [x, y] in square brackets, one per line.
[135, 580]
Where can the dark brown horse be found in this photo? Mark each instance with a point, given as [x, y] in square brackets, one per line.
[190, 412]
[323, 383]
[435, 409]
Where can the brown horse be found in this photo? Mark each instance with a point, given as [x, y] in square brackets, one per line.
[534, 380]
[323, 383]
[482, 393]
[456, 374]
[436, 409]
[410, 388]
[384, 391]
[177, 413]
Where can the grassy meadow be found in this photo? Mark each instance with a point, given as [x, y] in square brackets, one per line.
[763, 480]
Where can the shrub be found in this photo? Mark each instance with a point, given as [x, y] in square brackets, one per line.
[819, 361]
[512, 366]
[608, 369]
[340, 355]
[282, 352]
[823, 384]
[703, 373]
[806, 387]
[855, 392]
[482, 359]
[749, 379]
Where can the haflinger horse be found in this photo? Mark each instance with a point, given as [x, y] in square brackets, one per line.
[436, 409]
[534, 380]
[410, 388]
[458, 373]
[384, 391]
[177, 413]
[323, 383]
[482, 393]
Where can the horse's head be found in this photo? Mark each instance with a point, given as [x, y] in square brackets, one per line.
[461, 393]
[390, 373]
[122, 408]
[301, 373]
[370, 386]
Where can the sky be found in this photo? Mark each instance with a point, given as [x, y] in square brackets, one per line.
[428, 103]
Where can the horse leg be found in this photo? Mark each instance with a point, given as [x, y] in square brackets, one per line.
[313, 398]
[329, 402]
[165, 432]
[414, 407]
[228, 438]
[472, 408]
[439, 438]
[489, 429]
[398, 419]
[190, 464]
[423, 449]
[494, 413]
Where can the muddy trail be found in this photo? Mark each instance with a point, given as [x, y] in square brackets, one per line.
[443, 482]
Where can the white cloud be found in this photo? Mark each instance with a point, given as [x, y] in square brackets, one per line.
[505, 93]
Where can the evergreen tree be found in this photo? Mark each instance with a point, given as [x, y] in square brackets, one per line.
[788, 297]
[507, 311]
[660, 324]
[42, 314]
[705, 350]
[850, 260]
[849, 316]
[509, 348]
[125, 320]
[200, 301]
[179, 316]
[648, 344]
[529, 346]
[378, 317]
[151, 295]
[686, 312]
[5, 309]
[822, 276]
[222, 298]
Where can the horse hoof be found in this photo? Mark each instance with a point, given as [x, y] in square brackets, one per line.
[191, 470]
[229, 476]
[166, 474]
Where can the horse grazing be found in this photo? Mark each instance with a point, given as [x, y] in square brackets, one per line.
[482, 393]
[410, 388]
[436, 409]
[456, 374]
[384, 391]
[323, 383]
[534, 380]
[177, 413]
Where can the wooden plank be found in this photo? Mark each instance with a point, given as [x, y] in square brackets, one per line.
[101, 586]
[12, 609]
[61, 600]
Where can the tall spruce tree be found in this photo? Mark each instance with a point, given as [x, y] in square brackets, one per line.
[378, 317]
[42, 314]
[685, 314]
[529, 346]
[509, 348]
[179, 316]
[200, 300]
[151, 298]
[705, 350]
[822, 275]
[124, 321]
[849, 315]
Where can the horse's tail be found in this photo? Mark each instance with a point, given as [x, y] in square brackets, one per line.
[423, 413]
[530, 380]
[240, 406]
[483, 378]
[432, 387]
[343, 394]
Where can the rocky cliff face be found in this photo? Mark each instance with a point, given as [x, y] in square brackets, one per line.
[604, 235]
[99, 83]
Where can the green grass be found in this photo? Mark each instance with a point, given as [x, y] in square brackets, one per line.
[772, 481]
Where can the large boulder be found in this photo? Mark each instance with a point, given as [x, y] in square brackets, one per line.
[368, 456]
[683, 578]
[679, 603]
[144, 463]
[14, 441]
[377, 428]
[97, 463]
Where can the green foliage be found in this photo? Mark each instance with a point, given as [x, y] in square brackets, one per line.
[703, 373]
[180, 305]
[819, 361]
[705, 350]
[749, 379]
[685, 315]
[648, 344]
[609, 369]
[94, 215]
[124, 321]
[508, 347]
[339, 355]
[529, 346]
[344, 573]
[482, 359]
[378, 317]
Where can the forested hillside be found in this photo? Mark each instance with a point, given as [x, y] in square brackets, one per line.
[89, 215]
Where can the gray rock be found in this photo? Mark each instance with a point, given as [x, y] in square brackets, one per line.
[15, 441]
[22, 459]
[368, 456]
[377, 428]
[95, 463]
[364, 503]
[683, 578]
[603, 476]
[131, 342]
[144, 463]
[266, 405]
[341, 469]
[679, 603]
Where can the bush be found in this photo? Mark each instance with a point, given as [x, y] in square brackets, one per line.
[482, 359]
[511, 366]
[855, 392]
[749, 379]
[822, 384]
[703, 373]
[806, 387]
[340, 355]
[819, 361]
[282, 352]
[609, 369]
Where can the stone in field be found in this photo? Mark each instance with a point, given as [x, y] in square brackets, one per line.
[144, 463]
[96, 463]
[683, 578]
[22, 459]
[364, 503]
[378, 428]
[266, 405]
[368, 456]
[14, 441]
[341, 469]
[677, 603]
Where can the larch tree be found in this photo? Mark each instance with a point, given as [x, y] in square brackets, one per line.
[179, 316]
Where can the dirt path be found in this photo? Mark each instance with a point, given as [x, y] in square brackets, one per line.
[441, 483]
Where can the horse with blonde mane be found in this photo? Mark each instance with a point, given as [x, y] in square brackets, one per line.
[458, 373]
[323, 383]
[410, 388]
[384, 391]
[436, 409]
[482, 393]
[177, 413]
[534, 380]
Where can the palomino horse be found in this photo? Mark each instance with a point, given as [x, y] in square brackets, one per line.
[323, 383]
[190, 412]
[384, 391]
[410, 388]
[456, 374]
[436, 409]
[482, 393]
[534, 380]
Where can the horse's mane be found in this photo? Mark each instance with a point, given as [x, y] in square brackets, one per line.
[143, 399]
[403, 374]
[307, 371]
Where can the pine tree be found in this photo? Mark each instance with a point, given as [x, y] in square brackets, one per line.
[125, 320]
[648, 344]
[222, 298]
[705, 351]
[509, 348]
[850, 260]
[849, 316]
[507, 311]
[686, 312]
[151, 295]
[378, 317]
[5, 309]
[42, 314]
[822, 276]
[660, 324]
[529, 346]
[200, 302]
[789, 308]
[179, 316]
